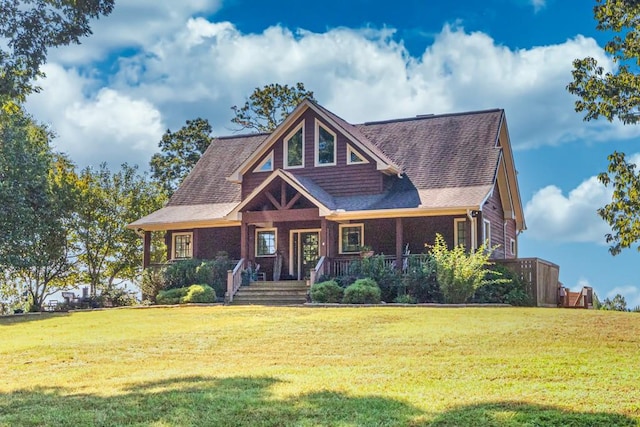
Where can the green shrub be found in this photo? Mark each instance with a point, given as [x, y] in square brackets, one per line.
[181, 273]
[420, 280]
[189, 272]
[405, 299]
[362, 291]
[503, 286]
[383, 273]
[191, 294]
[459, 273]
[199, 294]
[152, 283]
[327, 292]
[171, 296]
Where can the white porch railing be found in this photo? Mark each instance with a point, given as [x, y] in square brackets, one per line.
[234, 280]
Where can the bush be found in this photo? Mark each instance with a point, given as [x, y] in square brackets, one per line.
[420, 280]
[362, 291]
[188, 272]
[384, 274]
[199, 294]
[116, 297]
[405, 299]
[327, 292]
[181, 273]
[152, 283]
[503, 286]
[459, 273]
[191, 294]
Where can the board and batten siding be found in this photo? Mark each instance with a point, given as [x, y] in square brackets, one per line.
[341, 179]
[502, 230]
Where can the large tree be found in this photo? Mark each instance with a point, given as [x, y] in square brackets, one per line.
[28, 28]
[179, 152]
[268, 106]
[615, 95]
[110, 253]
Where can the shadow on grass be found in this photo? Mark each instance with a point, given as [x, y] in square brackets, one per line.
[12, 319]
[249, 402]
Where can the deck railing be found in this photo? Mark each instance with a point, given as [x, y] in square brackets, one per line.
[318, 270]
[234, 280]
[540, 276]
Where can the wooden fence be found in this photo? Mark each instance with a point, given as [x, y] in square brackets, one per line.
[540, 276]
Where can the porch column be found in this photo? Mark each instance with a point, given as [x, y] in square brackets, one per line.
[399, 242]
[244, 240]
[146, 249]
[324, 237]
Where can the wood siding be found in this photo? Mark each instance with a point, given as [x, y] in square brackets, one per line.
[339, 180]
[502, 231]
[210, 241]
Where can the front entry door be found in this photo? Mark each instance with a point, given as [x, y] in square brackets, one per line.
[305, 252]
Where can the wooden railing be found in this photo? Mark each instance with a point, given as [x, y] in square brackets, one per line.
[318, 271]
[582, 299]
[234, 280]
[540, 276]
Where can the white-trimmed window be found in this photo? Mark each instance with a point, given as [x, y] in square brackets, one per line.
[353, 157]
[351, 238]
[182, 244]
[266, 241]
[460, 232]
[486, 230]
[325, 146]
[266, 165]
[294, 148]
[512, 246]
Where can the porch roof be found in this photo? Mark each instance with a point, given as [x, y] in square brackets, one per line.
[186, 216]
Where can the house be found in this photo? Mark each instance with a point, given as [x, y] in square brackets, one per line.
[318, 187]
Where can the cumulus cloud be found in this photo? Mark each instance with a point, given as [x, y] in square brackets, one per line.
[184, 67]
[538, 4]
[553, 216]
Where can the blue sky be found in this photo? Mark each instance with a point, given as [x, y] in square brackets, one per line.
[153, 64]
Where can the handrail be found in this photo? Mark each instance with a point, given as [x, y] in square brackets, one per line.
[317, 271]
[234, 280]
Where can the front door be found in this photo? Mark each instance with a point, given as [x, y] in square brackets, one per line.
[305, 252]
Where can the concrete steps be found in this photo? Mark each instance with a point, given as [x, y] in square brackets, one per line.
[290, 292]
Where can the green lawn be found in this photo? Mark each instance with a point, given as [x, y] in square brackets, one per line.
[245, 366]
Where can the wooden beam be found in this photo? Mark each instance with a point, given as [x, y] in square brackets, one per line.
[324, 238]
[146, 256]
[290, 215]
[244, 239]
[293, 200]
[399, 243]
[273, 200]
[283, 193]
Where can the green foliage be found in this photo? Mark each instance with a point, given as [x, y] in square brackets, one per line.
[618, 303]
[420, 280]
[327, 292]
[268, 106]
[109, 201]
[381, 272]
[152, 283]
[179, 153]
[362, 291]
[116, 297]
[191, 271]
[459, 273]
[503, 286]
[28, 28]
[185, 295]
[405, 299]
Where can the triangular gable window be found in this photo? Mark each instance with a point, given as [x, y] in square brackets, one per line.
[353, 157]
[266, 165]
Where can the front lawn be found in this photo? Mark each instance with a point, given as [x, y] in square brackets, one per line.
[264, 366]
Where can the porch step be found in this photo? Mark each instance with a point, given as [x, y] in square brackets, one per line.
[289, 292]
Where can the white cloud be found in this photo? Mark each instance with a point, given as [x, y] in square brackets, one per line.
[538, 4]
[190, 67]
[552, 216]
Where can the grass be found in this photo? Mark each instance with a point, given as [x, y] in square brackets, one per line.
[246, 366]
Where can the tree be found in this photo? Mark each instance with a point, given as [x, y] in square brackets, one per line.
[36, 211]
[179, 152]
[29, 28]
[615, 95]
[268, 106]
[110, 253]
[618, 303]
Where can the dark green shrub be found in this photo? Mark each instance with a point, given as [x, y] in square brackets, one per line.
[327, 292]
[420, 280]
[171, 296]
[405, 299]
[189, 272]
[502, 286]
[199, 294]
[116, 297]
[382, 272]
[362, 291]
[181, 273]
[152, 283]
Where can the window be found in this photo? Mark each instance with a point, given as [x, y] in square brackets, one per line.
[182, 245]
[512, 246]
[353, 157]
[325, 146]
[351, 238]
[294, 148]
[266, 165]
[460, 232]
[266, 242]
[487, 232]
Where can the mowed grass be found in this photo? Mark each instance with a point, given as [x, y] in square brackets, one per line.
[264, 366]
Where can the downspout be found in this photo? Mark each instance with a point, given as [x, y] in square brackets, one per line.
[474, 229]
